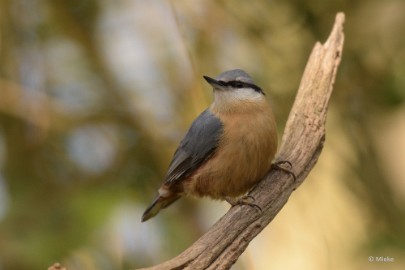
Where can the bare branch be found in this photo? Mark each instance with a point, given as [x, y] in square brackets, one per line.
[301, 145]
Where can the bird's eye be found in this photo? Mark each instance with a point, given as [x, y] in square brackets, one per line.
[239, 84]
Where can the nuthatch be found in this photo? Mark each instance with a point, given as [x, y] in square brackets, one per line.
[228, 148]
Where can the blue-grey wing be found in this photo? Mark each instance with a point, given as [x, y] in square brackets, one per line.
[198, 145]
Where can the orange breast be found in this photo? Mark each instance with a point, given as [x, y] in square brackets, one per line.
[247, 148]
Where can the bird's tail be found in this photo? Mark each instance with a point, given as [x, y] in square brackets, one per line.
[159, 203]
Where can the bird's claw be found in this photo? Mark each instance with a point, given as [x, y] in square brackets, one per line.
[278, 165]
[244, 201]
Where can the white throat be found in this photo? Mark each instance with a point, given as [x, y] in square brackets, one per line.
[241, 94]
[226, 99]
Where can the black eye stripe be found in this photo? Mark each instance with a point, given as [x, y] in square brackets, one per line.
[240, 84]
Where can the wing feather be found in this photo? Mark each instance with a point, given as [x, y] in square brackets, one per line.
[198, 145]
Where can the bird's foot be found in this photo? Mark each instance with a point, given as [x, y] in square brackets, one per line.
[244, 200]
[279, 166]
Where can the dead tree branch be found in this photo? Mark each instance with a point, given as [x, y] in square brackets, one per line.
[301, 144]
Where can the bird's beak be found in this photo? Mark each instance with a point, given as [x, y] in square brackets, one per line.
[214, 83]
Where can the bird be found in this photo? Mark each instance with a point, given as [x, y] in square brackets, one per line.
[228, 148]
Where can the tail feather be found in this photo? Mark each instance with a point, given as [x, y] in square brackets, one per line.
[159, 203]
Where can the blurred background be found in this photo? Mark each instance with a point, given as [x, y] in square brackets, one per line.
[96, 95]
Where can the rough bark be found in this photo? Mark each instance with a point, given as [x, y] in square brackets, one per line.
[301, 145]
